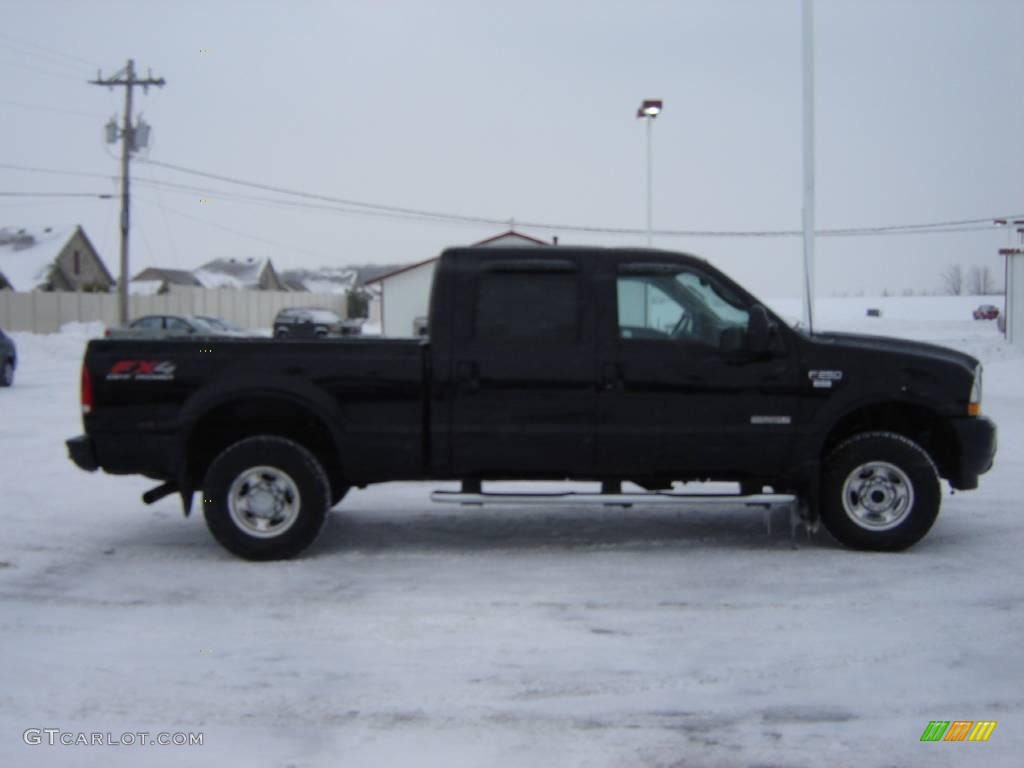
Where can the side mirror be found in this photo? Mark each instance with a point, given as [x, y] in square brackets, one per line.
[759, 331]
[741, 345]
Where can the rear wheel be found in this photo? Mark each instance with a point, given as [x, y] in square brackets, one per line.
[7, 374]
[265, 498]
[880, 491]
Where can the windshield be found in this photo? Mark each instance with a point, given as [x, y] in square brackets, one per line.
[201, 326]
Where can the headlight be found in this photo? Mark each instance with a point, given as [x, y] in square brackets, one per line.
[974, 402]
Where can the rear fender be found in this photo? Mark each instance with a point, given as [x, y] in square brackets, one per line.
[295, 391]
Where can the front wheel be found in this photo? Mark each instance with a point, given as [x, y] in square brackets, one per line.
[265, 498]
[880, 491]
[7, 374]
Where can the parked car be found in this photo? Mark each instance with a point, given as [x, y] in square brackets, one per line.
[605, 365]
[220, 324]
[168, 327]
[8, 359]
[986, 312]
[309, 323]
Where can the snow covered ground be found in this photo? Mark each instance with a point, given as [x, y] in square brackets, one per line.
[415, 635]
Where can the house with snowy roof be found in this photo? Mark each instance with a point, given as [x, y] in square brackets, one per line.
[51, 259]
[242, 274]
[337, 280]
[154, 281]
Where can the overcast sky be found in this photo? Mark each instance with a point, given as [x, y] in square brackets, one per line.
[525, 110]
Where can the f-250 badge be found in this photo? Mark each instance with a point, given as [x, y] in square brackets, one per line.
[824, 379]
[141, 370]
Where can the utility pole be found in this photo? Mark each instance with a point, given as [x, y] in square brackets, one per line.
[126, 77]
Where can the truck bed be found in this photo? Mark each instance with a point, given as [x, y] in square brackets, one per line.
[373, 389]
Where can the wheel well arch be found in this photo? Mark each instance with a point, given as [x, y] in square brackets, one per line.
[228, 422]
[919, 423]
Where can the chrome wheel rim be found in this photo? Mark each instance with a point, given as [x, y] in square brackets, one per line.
[264, 502]
[878, 496]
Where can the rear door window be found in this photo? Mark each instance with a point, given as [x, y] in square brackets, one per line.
[528, 306]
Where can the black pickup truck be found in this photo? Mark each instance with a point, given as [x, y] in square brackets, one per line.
[604, 365]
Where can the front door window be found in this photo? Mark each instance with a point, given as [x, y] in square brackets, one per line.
[670, 302]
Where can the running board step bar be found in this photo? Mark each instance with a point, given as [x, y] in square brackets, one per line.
[615, 499]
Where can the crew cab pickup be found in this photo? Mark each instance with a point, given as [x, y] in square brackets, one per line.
[603, 365]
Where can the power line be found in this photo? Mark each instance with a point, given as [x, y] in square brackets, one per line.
[924, 228]
[167, 226]
[38, 71]
[36, 169]
[40, 58]
[280, 203]
[327, 198]
[49, 51]
[375, 209]
[51, 109]
[101, 196]
[246, 235]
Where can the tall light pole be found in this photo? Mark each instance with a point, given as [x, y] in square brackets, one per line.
[648, 111]
[808, 162]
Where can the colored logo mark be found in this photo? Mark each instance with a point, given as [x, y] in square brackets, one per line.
[958, 730]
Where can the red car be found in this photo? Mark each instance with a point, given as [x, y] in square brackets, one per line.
[986, 312]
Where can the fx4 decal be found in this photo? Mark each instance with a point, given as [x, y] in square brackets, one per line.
[141, 370]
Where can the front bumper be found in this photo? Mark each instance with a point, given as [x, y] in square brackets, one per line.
[83, 453]
[976, 437]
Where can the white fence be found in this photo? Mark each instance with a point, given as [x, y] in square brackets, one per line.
[40, 312]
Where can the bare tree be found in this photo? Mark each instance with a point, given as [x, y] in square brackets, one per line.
[953, 281]
[979, 282]
[974, 281]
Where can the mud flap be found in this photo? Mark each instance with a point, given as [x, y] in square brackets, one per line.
[186, 500]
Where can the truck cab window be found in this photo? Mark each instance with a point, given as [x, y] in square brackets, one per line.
[672, 303]
[536, 306]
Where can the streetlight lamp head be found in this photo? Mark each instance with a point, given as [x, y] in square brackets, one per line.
[650, 108]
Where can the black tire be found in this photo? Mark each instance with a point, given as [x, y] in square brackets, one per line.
[880, 491]
[281, 333]
[7, 373]
[271, 513]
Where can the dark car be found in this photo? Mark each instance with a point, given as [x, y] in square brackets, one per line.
[8, 359]
[986, 312]
[308, 322]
